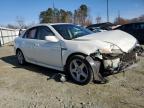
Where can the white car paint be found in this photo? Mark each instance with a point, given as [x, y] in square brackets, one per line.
[54, 54]
[122, 39]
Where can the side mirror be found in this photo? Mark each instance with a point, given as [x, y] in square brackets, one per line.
[51, 38]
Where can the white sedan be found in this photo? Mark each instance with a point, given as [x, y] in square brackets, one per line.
[83, 55]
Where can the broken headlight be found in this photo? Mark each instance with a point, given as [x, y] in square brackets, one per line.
[108, 53]
[112, 53]
[116, 51]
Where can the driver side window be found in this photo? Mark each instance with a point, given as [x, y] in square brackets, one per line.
[44, 31]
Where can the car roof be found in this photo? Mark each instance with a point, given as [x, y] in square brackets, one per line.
[48, 24]
[101, 24]
[128, 24]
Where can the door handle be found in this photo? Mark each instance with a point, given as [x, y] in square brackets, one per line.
[36, 45]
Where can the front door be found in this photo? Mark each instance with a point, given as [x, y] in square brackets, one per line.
[47, 53]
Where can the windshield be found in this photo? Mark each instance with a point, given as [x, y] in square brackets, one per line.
[69, 31]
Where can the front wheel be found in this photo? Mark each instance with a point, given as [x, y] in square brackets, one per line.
[79, 70]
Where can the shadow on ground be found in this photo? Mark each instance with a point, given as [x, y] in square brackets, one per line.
[52, 74]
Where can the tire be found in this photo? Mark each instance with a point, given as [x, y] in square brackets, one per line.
[79, 70]
[20, 57]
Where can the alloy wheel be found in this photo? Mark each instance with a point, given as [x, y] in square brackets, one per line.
[78, 70]
[20, 57]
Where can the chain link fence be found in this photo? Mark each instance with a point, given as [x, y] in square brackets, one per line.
[7, 35]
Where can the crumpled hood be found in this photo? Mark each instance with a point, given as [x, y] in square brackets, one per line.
[119, 38]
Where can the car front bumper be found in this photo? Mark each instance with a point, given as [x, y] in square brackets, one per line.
[123, 61]
[119, 64]
[113, 65]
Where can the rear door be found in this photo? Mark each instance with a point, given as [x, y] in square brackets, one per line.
[28, 44]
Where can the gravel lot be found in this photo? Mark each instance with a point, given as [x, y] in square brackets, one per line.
[33, 86]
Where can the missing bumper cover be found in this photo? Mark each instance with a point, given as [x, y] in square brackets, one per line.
[95, 65]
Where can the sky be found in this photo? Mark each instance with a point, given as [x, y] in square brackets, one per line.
[29, 10]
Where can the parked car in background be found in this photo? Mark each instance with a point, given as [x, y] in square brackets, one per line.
[82, 54]
[96, 29]
[135, 29]
[101, 26]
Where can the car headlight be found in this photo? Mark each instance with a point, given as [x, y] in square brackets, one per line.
[111, 55]
[108, 53]
[116, 51]
[113, 52]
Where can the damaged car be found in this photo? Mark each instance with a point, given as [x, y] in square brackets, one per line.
[82, 54]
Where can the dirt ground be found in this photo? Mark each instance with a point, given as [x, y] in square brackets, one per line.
[33, 86]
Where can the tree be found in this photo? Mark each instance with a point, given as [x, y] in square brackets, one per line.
[83, 12]
[11, 26]
[70, 16]
[139, 19]
[46, 16]
[121, 21]
[20, 22]
[60, 15]
[63, 16]
[88, 22]
[56, 15]
[98, 19]
[76, 17]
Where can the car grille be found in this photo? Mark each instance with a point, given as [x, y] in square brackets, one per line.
[129, 57]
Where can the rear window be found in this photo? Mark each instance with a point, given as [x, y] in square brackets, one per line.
[30, 34]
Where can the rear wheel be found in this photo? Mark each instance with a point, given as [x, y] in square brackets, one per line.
[79, 70]
[20, 57]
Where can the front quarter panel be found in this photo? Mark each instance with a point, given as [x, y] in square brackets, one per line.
[70, 47]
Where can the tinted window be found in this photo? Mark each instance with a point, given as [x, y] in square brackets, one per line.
[69, 31]
[136, 26]
[44, 31]
[128, 27]
[142, 26]
[31, 34]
